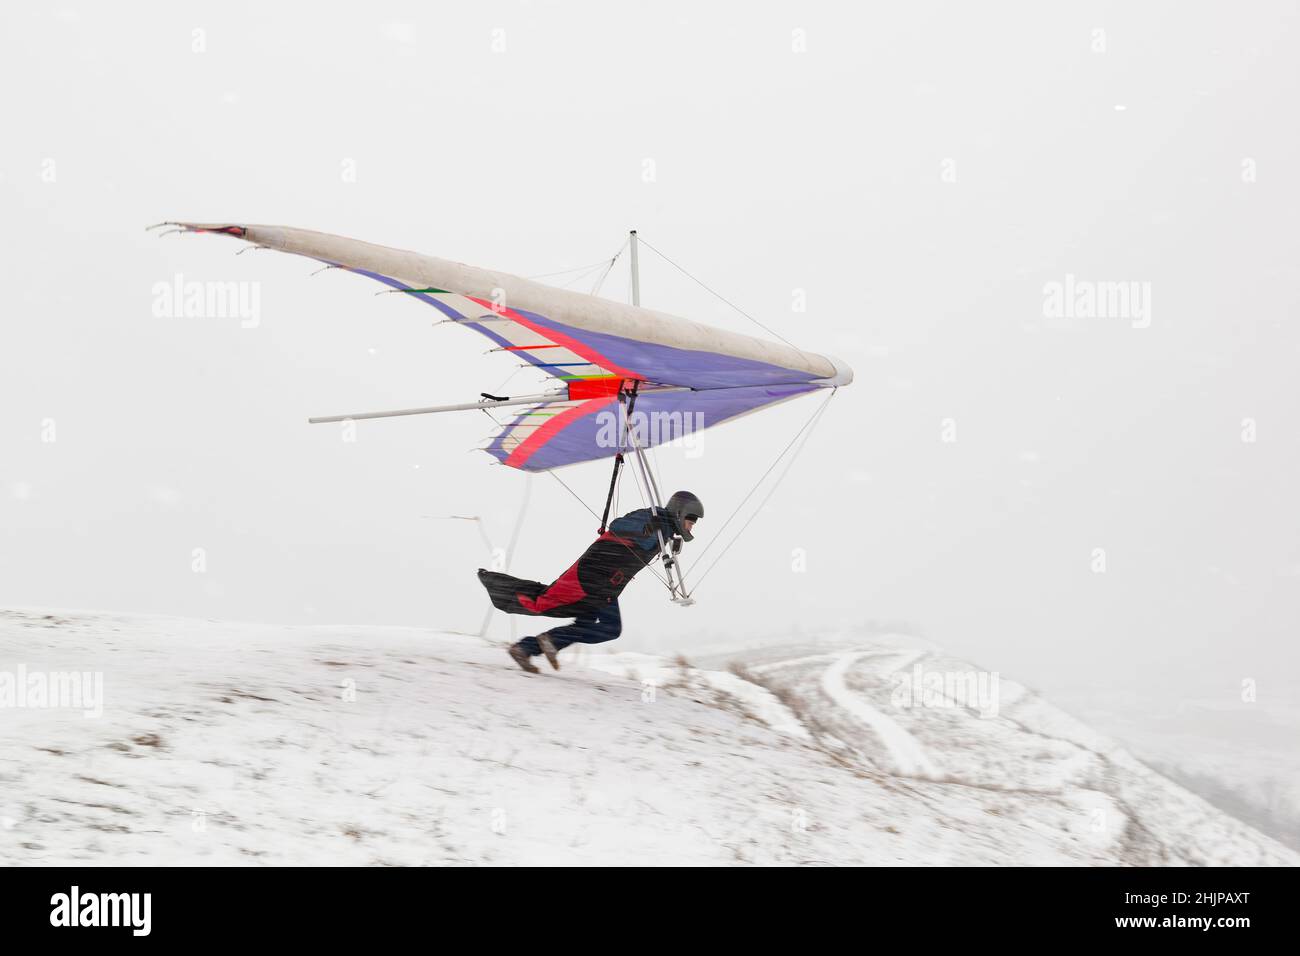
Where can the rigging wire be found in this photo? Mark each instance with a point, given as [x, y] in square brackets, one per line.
[806, 430]
[582, 275]
[719, 296]
[647, 564]
[565, 272]
[607, 263]
[518, 369]
[572, 492]
[605, 275]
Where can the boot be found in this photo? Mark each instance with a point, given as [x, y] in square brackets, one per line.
[552, 655]
[520, 657]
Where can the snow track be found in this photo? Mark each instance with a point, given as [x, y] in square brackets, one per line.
[908, 754]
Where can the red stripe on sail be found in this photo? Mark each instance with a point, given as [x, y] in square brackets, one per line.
[573, 345]
[554, 425]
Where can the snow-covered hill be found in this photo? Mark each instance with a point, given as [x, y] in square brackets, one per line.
[226, 743]
[1239, 755]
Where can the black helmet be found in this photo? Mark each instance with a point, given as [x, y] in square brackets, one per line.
[683, 505]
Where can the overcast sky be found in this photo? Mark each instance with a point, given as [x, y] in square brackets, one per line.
[1064, 497]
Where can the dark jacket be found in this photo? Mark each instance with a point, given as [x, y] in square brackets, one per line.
[593, 581]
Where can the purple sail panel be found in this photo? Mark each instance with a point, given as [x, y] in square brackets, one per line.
[593, 430]
[674, 366]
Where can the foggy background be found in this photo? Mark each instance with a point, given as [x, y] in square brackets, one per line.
[918, 173]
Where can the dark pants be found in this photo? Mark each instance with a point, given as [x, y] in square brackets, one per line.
[603, 626]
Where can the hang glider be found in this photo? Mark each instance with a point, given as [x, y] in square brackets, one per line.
[622, 377]
[591, 349]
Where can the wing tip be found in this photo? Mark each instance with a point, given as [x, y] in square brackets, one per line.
[225, 229]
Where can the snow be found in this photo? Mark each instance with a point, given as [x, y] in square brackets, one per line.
[1240, 756]
[909, 757]
[234, 743]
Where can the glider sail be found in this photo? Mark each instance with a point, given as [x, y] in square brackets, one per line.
[686, 375]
